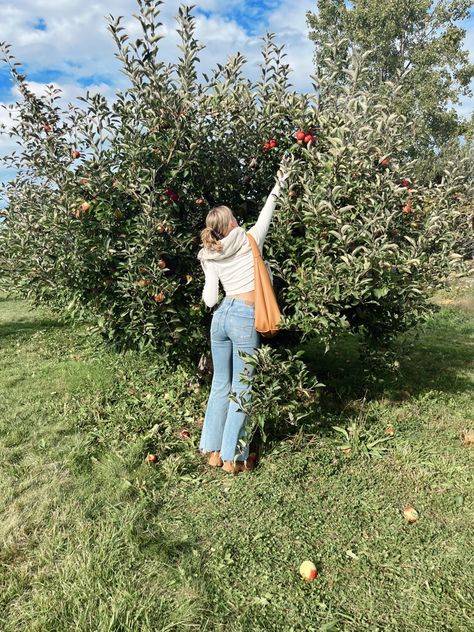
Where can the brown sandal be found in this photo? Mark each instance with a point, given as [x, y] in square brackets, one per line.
[240, 466]
[215, 459]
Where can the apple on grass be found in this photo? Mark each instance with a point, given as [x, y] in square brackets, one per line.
[152, 458]
[308, 571]
[410, 514]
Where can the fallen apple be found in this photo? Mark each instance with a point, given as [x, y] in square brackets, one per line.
[152, 458]
[410, 514]
[300, 135]
[200, 201]
[308, 571]
[159, 298]
[85, 206]
[384, 162]
[76, 154]
[162, 263]
[185, 434]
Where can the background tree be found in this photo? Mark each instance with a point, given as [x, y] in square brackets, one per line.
[418, 35]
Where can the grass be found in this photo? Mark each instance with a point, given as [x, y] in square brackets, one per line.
[94, 538]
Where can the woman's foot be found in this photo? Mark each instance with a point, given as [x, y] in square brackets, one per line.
[215, 459]
[240, 466]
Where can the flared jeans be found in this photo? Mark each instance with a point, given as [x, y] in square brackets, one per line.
[232, 330]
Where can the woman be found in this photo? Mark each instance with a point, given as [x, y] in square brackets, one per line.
[227, 255]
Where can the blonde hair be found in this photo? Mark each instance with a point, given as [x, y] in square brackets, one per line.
[217, 224]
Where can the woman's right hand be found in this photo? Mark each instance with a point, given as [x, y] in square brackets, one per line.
[284, 170]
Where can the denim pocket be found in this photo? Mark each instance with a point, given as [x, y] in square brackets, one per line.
[242, 325]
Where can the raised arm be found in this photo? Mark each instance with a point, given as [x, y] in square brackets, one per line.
[260, 229]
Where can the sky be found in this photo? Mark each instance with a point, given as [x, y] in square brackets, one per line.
[67, 43]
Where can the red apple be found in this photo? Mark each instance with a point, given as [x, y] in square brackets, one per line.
[47, 128]
[308, 138]
[300, 142]
[308, 571]
[162, 263]
[405, 183]
[159, 298]
[76, 154]
[408, 207]
[172, 194]
[300, 135]
[152, 458]
[185, 434]
[200, 201]
[384, 162]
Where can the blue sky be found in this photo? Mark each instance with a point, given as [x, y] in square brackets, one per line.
[66, 42]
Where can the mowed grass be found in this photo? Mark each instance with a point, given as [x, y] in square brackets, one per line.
[94, 538]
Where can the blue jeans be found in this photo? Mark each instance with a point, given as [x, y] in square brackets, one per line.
[232, 330]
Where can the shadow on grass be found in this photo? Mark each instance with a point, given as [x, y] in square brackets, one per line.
[20, 328]
[441, 355]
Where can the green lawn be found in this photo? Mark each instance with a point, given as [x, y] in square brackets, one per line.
[94, 538]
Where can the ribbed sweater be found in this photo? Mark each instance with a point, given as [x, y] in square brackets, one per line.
[234, 265]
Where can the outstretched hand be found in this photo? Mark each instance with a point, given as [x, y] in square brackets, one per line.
[284, 169]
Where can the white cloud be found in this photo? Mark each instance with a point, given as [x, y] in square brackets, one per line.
[77, 44]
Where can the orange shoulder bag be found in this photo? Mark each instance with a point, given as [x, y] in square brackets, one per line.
[267, 312]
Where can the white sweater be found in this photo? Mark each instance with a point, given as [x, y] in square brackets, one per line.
[234, 265]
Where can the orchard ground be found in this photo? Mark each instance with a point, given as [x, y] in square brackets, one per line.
[95, 538]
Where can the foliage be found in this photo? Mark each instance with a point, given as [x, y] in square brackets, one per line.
[427, 40]
[103, 216]
[270, 403]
